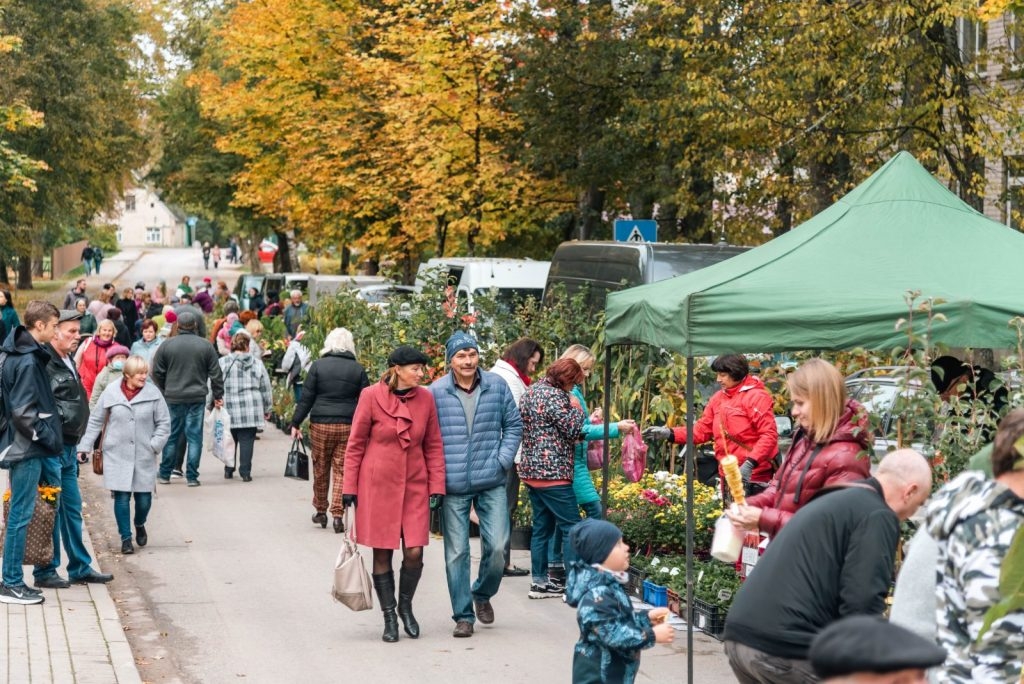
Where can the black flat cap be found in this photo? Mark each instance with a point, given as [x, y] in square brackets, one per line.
[69, 315]
[863, 643]
[406, 355]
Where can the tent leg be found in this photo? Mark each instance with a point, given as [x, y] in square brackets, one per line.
[607, 412]
[691, 471]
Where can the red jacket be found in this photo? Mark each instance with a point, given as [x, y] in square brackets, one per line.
[394, 461]
[741, 422]
[846, 458]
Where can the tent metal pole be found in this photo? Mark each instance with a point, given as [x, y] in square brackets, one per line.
[607, 412]
[690, 473]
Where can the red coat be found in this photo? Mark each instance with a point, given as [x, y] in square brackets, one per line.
[846, 458]
[745, 413]
[394, 462]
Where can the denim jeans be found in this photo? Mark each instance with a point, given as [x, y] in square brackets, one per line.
[593, 510]
[555, 511]
[122, 511]
[187, 418]
[68, 528]
[24, 481]
[491, 509]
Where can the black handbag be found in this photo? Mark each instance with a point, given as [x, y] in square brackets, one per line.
[297, 466]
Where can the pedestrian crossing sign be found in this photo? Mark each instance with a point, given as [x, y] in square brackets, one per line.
[636, 230]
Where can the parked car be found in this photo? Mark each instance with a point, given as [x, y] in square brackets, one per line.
[508, 279]
[384, 295]
[879, 390]
[282, 283]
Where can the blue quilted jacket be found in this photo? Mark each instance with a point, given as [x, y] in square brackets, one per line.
[479, 461]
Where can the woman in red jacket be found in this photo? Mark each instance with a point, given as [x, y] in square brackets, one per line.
[394, 475]
[832, 445]
[739, 419]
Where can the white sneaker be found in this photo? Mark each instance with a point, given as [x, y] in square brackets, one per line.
[19, 596]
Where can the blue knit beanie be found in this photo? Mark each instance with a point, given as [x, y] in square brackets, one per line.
[593, 540]
[457, 342]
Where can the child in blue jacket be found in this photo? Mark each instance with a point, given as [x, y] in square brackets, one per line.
[611, 632]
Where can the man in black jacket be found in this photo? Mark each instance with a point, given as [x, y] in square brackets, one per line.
[834, 558]
[73, 407]
[182, 366]
[30, 436]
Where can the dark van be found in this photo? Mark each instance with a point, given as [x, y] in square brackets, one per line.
[608, 266]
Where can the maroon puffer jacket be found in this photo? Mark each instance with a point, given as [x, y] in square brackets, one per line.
[846, 457]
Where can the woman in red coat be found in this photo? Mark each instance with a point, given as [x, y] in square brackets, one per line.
[394, 476]
[832, 445]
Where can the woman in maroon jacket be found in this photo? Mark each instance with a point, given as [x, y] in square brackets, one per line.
[832, 445]
[394, 474]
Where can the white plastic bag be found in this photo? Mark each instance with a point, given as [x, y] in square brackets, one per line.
[218, 437]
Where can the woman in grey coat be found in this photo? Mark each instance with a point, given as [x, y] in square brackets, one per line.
[137, 426]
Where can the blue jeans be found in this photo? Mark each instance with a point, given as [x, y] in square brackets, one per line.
[492, 509]
[68, 527]
[122, 511]
[593, 510]
[24, 494]
[187, 418]
[555, 511]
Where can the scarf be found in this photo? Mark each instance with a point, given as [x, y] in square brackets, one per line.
[522, 376]
[129, 393]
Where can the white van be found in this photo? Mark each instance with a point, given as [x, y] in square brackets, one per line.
[511, 278]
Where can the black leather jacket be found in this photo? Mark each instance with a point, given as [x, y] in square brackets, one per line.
[72, 403]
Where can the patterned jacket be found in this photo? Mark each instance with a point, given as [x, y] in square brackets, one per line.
[973, 519]
[611, 632]
[246, 390]
[551, 428]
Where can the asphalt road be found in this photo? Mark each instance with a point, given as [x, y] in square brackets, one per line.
[235, 583]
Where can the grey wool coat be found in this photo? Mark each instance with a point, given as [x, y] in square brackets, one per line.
[136, 434]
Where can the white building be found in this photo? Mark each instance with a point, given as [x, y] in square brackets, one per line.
[143, 220]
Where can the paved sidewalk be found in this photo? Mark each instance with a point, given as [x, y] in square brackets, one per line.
[74, 636]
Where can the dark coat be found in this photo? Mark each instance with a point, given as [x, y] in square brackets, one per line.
[31, 418]
[129, 315]
[331, 390]
[846, 457]
[70, 396]
[394, 462]
[834, 558]
[182, 366]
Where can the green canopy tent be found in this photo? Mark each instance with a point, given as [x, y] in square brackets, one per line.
[837, 281]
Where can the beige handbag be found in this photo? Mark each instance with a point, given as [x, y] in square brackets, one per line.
[352, 584]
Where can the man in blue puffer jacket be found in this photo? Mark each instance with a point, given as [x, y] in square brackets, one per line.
[481, 430]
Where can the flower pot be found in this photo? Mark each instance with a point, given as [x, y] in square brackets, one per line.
[521, 537]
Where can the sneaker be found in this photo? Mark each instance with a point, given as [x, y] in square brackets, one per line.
[19, 595]
[543, 591]
[163, 480]
[177, 474]
[193, 483]
[556, 583]
[36, 592]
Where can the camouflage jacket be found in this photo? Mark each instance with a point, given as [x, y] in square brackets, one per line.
[611, 632]
[973, 519]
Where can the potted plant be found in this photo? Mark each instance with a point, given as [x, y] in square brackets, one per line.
[522, 523]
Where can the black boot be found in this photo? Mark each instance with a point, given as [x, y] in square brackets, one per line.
[407, 581]
[385, 586]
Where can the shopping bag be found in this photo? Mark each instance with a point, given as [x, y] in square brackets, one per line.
[220, 443]
[595, 448]
[39, 535]
[634, 455]
[352, 584]
[297, 466]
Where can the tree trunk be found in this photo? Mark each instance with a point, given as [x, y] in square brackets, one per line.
[441, 234]
[346, 260]
[4, 278]
[784, 207]
[284, 252]
[591, 204]
[24, 272]
[37, 266]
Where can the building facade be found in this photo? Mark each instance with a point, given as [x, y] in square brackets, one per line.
[144, 220]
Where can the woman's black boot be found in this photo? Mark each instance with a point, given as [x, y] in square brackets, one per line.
[407, 581]
[385, 586]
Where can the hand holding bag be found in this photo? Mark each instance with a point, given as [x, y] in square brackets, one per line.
[297, 466]
[97, 453]
[352, 584]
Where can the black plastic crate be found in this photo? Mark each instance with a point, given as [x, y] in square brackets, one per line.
[636, 582]
[708, 618]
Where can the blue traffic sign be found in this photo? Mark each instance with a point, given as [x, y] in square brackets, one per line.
[636, 231]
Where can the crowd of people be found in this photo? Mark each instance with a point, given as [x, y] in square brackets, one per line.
[137, 383]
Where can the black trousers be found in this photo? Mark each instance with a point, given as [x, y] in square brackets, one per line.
[245, 440]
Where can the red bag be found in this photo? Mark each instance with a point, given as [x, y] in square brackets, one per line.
[634, 455]
[595, 448]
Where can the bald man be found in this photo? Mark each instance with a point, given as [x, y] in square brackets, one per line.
[834, 558]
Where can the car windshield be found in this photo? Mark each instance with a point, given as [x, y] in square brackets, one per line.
[877, 398]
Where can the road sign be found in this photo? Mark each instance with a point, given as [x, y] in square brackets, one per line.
[636, 231]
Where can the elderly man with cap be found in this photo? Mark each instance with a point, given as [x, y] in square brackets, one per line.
[73, 407]
[864, 649]
[481, 430]
[834, 558]
[182, 367]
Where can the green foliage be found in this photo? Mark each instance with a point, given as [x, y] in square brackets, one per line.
[105, 237]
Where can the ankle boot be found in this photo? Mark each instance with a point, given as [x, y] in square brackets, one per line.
[408, 579]
[385, 586]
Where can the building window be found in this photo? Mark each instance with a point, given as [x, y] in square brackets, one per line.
[1013, 179]
[972, 41]
[1014, 41]
[120, 236]
[154, 235]
[129, 202]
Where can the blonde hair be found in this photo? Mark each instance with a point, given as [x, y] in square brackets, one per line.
[820, 383]
[135, 365]
[579, 354]
[106, 322]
